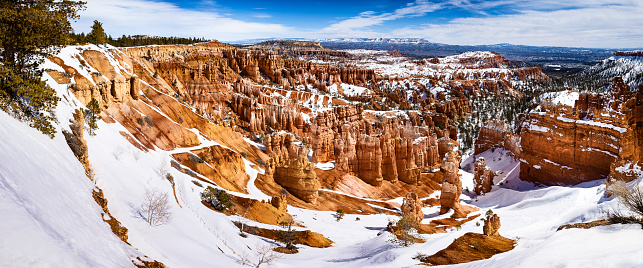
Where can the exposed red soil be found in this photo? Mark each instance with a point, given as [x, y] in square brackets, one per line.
[470, 247]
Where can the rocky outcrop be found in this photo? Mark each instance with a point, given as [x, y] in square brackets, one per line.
[377, 149]
[494, 134]
[77, 142]
[222, 166]
[280, 203]
[412, 206]
[482, 177]
[622, 170]
[297, 48]
[295, 175]
[451, 185]
[491, 225]
[117, 228]
[569, 145]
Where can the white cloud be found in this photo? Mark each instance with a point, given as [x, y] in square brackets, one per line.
[262, 16]
[585, 23]
[369, 18]
[598, 25]
[148, 17]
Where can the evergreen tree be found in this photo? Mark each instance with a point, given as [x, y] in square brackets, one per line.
[30, 30]
[97, 35]
[92, 116]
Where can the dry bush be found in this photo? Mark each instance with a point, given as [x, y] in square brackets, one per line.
[136, 154]
[630, 198]
[155, 209]
[266, 255]
[162, 168]
[117, 153]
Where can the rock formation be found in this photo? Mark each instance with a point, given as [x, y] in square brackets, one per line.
[222, 166]
[412, 206]
[482, 177]
[569, 145]
[495, 134]
[491, 225]
[280, 203]
[296, 175]
[77, 143]
[452, 185]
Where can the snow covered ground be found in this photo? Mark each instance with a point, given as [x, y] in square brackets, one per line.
[46, 196]
[49, 218]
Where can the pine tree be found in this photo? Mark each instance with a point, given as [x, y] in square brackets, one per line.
[92, 116]
[97, 35]
[31, 30]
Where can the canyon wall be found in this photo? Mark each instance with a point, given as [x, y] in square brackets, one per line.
[563, 145]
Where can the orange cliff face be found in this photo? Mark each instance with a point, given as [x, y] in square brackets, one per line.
[130, 94]
[564, 145]
[170, 97]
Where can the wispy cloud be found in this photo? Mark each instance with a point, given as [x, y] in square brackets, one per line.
[371, 18]
[597, 23]
[160, 18]
[262, 16]
[588, 23]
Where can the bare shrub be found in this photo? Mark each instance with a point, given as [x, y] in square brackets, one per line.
[136, 154]
[117, 153]
[244, 259]
[162, 168]
[630, 198]
[265, 254]
[155, 208]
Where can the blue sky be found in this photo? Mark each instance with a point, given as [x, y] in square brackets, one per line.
[581, 23]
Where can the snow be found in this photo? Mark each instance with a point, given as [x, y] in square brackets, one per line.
[567, 97]
[627, 67]
[602, 125]
[49, 217]
[533, 127]
[349, 90]
[45, 194]
[325, 166]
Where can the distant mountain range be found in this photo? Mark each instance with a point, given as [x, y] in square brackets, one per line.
[554, 58]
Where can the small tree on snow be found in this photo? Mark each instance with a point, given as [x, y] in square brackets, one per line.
[405, 231]
[92, 116]
[155, 208]
[287, 236]
[219, 199]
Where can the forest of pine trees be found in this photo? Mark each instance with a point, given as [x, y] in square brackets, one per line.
[138, 40]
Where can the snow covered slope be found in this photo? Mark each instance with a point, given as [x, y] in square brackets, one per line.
[628, 67]
[49, 218]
